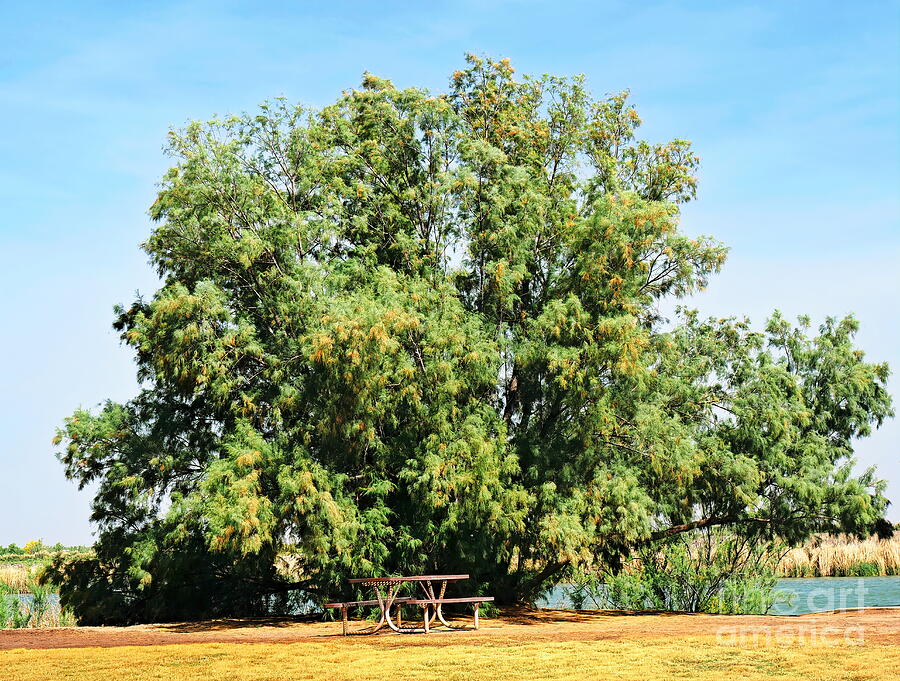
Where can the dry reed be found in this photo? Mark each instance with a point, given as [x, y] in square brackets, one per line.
[842, 556]
[18, 577]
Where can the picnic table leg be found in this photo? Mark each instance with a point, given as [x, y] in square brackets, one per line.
[439, 610]
[385, 605]
[426, 610]
[438, 613]
[392, 600]
[345, 625]
[428, 588]
[366, 630]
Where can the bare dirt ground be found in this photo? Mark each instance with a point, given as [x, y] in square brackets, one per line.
[879, 626]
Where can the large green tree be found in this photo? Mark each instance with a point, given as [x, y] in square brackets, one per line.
[415, 332]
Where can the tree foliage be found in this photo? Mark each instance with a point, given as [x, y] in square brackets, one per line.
[421, 332]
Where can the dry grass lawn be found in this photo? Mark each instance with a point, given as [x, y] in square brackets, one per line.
[647, 660]
[550, 646]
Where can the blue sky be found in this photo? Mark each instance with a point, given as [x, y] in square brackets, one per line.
[793, 107]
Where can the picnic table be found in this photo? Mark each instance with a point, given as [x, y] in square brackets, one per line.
[387, 590]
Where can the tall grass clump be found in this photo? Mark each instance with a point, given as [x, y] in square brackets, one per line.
[17, 577]
[842, 556]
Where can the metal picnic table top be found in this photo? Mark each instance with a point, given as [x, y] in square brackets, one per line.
[410, 578]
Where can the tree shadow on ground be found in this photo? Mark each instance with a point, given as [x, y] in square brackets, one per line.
[519, 615]
[226, 624]
[525, 615]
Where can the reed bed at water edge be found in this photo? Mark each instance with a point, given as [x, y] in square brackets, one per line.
[842, 556]
[17, 577]
[26, 604]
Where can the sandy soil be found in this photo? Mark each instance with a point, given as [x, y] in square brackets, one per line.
[879, 626]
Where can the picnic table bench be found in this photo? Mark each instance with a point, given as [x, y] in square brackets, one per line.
[386, 597]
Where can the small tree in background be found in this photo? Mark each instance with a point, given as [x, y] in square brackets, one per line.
[420, 332]
[33, 546]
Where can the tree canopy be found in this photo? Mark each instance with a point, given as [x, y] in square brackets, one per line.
[416, 331]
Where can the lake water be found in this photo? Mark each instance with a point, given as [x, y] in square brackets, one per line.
[814, 594]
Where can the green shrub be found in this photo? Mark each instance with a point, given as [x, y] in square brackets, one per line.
[21, 615]
[706, 571]
[6, 607]
[863, 569]
[40, 602]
